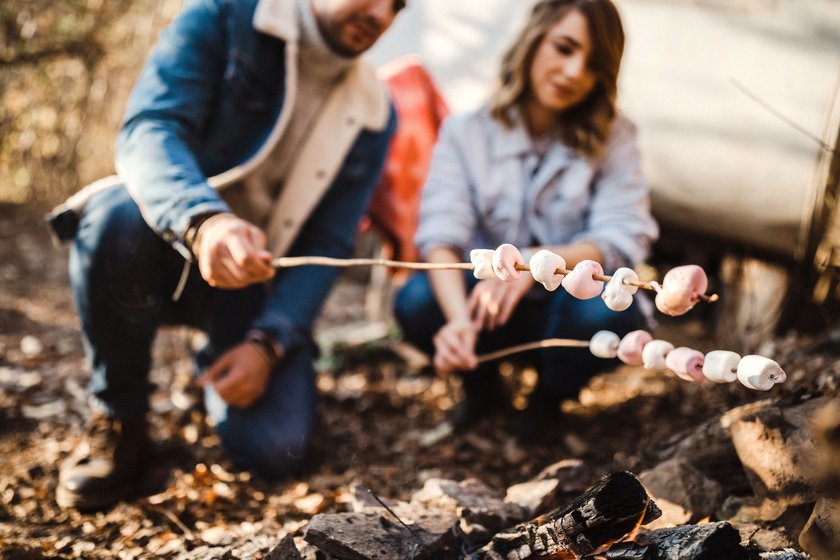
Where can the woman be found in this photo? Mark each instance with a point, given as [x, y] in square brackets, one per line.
[548, 163]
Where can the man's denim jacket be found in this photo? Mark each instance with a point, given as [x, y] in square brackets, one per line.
[205, 110]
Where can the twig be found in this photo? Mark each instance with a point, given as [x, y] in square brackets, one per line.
[392, 512]
[545, 343]
[174, 519]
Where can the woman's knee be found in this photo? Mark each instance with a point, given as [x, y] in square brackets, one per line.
[417, 311]
[582, 318]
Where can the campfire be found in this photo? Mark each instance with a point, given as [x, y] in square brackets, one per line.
[662, 514]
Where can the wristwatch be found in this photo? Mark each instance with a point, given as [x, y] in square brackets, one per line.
[267, 344]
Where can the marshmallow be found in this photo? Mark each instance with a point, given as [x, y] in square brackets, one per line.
[681, 289]
[617, 295]
[721, 366]
[654, 353]
[580, 282]
[482, 260]
[543, 264]
[759, 373]
[604, 344]
[687, 363]
[631, 347]
[505, 259]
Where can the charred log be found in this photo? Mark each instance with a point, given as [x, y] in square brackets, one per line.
[610, 509]
[710, 541]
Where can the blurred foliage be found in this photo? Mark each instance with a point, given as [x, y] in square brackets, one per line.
[66, 69]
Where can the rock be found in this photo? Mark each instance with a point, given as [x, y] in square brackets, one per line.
[786, 554]
[379, 535]
[709, 449]
[480, 508]
[776, 448]
[554, 486]
[534, 496]
[682, 492]
[821, 535]
[827, 431]
[285, 550]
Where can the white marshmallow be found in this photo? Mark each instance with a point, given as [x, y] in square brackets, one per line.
[604, 344]
[759, 373]
[721, 366]
[482, 260]
[617, 295]
[505, 259]
[654, 353]
[543, 264]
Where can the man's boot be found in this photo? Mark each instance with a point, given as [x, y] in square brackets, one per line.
[107, 465]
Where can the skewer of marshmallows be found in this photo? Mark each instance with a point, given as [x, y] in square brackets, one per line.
[680, 290]
[639, 348]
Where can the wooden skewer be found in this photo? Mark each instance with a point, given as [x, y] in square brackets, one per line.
[545, 343]
[289, 262]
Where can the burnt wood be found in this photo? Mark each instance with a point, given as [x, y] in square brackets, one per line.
[710, 541]
[608, 510]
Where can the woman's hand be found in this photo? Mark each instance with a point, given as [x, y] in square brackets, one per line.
[231, 252]
[455, 346]
[492, 302]
[240, 375]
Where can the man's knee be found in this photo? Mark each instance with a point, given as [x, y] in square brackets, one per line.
[111, 217]
[267, 450]
[112, 231]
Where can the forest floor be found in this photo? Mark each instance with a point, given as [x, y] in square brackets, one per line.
[382, 424]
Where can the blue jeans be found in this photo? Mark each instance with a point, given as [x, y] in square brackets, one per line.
[123, 276]
[541, 314]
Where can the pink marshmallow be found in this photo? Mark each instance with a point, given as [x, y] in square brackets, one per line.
[505, 257]
[687, 363]
[580, 282]
[631, 346]
[681, 289]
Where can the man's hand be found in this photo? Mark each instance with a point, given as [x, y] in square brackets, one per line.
[240, 375]
[492, 301]
[455, 347]
[231, 252]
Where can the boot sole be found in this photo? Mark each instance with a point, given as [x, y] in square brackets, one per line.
[68, 499]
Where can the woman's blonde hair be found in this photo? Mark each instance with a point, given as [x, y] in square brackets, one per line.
[586, 126]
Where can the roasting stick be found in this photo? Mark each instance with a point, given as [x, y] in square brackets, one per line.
[289, 262]
[545, 343]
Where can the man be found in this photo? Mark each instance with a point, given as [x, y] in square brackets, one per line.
[254, 130]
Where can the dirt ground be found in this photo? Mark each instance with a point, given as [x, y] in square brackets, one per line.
[381, 427]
